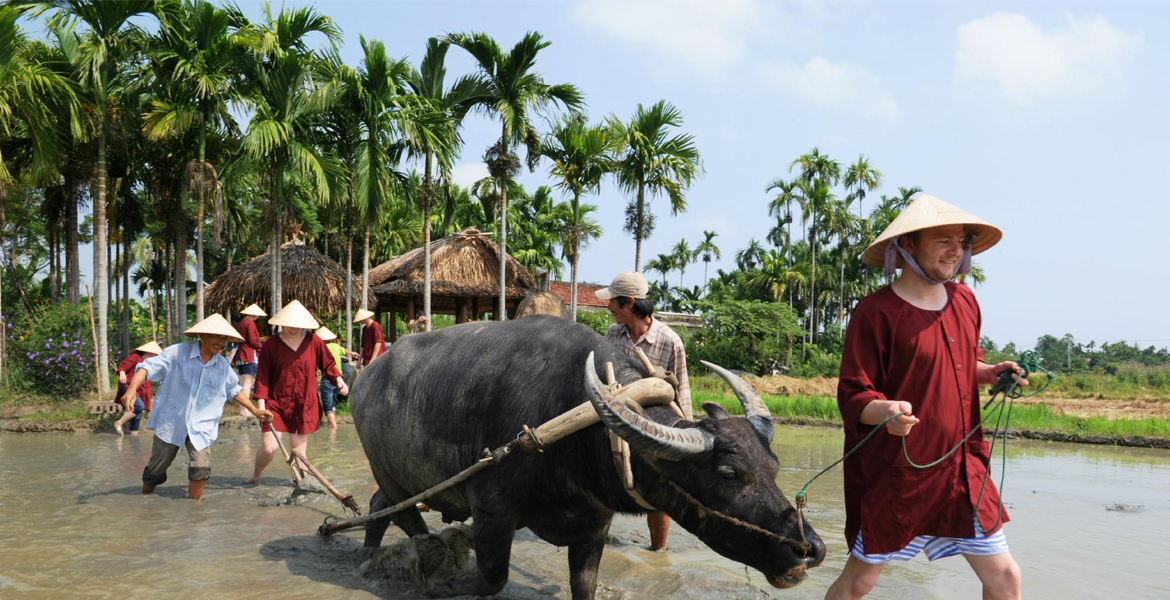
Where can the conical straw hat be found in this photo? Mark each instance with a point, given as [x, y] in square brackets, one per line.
[151, 347]
[326, 335]
[925, 212]
[362, 315]
[215, 325]
[254, 310]
[294, 314]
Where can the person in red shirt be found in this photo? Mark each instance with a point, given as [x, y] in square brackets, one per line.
[912, 347]
[125, 374]
[287, 380]
[247, 356]
[373, 344]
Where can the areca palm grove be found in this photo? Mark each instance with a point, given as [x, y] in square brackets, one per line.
[202, 138]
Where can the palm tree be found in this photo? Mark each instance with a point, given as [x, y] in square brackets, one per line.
[707, 249]
[109, 37]
[515, 90]
[650, 160]
[664, 264]
[816, 166]
[282, 90]
[31, 92]
[817, 200]
[580, 156]
[749, 257]
[202, 58]
[787, 194]
[443, 115]
[864, 178]
[682, 256]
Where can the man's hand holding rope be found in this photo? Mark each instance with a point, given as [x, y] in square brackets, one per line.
[989, 374]
[882, 411]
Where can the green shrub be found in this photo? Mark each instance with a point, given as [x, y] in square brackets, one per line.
[599, 321]
[744, 335]
[53, 353]
[817, 363]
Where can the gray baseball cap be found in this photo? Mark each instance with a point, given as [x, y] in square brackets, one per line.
[630, 283]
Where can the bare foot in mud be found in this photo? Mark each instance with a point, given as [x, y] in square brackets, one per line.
[251, 481]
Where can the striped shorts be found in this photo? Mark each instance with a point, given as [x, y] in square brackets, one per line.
[937, 547]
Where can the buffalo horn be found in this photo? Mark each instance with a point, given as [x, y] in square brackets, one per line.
[753, 407]
[643, 435]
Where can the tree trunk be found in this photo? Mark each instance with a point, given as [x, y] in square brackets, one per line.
[167, 291]
[427, 197]
[126, 291]
[179, 320]
[72, 260]
[274, 243]
[200, 214]
[641, 216]
[349, 292]
[99, 271]
[52, 234]
[575, 256]
[366, 269]
[812, 286]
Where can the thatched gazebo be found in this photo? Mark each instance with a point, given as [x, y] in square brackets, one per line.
[465, 271]
[306, 275]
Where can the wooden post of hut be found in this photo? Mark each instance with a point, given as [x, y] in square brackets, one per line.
[460, 310]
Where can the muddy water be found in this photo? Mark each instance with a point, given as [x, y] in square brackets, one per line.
[1089, 523]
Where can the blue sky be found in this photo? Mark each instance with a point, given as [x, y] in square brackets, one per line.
[1045, 118]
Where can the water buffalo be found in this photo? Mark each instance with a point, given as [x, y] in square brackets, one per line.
[429, 407]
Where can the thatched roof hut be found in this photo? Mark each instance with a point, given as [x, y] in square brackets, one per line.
[306, 275]
[542, 303]
[465, 270]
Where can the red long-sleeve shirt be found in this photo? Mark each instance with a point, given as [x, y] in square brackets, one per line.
[246, 353]
[128, 367]
[896, 351]
[287, 379]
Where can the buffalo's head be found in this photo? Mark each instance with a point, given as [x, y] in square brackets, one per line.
[716, 478]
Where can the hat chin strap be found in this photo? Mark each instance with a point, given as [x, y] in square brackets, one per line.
[894, 249]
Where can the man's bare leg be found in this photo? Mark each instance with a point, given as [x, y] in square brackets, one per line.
[195, 489]
[855, 581]
[999, 574]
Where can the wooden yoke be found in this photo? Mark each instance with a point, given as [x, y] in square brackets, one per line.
[644, 392]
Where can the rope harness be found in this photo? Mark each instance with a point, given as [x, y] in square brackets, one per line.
[1003, 393]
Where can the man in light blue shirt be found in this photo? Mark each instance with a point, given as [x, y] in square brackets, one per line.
[196, 381]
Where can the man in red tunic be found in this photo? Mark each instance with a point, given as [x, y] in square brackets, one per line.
[912, 347]
[373, 344]
[287, 379]
[247, 357]
[126, 370]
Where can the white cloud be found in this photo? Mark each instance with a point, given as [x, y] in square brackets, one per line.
[707, 35]
[1027, 64]
[468, 173]
[836, 85]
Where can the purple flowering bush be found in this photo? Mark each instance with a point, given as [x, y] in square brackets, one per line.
[53, 353]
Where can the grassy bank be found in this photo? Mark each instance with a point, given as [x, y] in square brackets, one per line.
[1034, 417]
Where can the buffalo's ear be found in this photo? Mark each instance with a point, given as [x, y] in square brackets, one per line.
[715, 411]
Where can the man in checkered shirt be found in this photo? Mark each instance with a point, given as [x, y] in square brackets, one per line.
[636, 326]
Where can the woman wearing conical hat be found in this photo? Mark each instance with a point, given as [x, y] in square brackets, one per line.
[247, 357]
[195, 381]
[286, 380]
[126, 370]
[913, 347]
